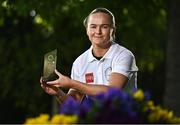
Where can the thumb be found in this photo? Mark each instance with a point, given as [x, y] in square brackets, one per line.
[58, 73]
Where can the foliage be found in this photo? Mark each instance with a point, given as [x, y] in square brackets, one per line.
[115, 106]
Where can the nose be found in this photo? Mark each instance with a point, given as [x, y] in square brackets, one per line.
[98, 30]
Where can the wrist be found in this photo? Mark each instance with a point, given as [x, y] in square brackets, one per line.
[71, 83]
[60, 96]
[58, 92]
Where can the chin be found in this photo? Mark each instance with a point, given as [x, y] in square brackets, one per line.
[98, 42]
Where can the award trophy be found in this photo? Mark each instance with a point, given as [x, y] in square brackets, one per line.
[50, 60]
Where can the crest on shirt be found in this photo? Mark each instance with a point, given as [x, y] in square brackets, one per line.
[108, 73]
[89, 77]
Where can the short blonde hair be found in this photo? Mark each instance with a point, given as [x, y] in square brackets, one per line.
[103, 10]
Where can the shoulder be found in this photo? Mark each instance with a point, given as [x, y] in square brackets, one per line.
[81, 58]
[122, 51]
[124, 59]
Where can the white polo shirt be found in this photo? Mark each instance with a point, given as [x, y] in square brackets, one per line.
[87, 69]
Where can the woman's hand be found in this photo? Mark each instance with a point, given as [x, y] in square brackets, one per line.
[50, 89]
[62, 81]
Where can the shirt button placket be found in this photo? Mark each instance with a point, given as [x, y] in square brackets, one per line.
[100, 75]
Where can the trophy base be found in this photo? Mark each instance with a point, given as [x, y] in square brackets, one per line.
[51, 77]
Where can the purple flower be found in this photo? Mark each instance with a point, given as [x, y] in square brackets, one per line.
[70, 107]
[115, 106]
[147, 95]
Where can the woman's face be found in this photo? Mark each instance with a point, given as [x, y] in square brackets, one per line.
[99, 29]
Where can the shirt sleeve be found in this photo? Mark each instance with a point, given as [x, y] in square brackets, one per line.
[125, 64]
[74, 73]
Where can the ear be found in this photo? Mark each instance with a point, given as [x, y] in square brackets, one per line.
[112, 33]
[87, 33]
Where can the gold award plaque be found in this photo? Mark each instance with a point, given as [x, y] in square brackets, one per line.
[50, 60]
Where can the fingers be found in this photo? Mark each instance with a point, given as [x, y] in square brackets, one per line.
[40, 80]
[52, 82]
[45, 86]
[56, 86]
[58, 73]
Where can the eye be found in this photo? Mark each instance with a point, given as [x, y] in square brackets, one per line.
[93, 26]
[105, 26]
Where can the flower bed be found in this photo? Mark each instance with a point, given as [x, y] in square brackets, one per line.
[115, 106]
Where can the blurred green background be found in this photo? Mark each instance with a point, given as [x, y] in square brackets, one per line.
[30, 28]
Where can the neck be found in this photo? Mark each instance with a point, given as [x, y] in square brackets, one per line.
[101, 51]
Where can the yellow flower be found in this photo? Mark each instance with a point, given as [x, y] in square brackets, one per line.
[162, 115]
[149, 105]
[41, 119]
[139, 95]
[64, 119]
[30, 121]
[57, 119]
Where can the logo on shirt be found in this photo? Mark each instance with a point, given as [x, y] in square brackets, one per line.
[89, 77]
[108, 73]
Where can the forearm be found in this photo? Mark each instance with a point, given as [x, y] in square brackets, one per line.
[61, 96]
[89, 89]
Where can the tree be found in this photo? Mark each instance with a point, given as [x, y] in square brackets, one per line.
[172, 89]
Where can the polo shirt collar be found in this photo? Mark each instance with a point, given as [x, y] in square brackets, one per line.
[108, 54]
[91, 58]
